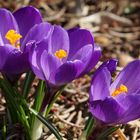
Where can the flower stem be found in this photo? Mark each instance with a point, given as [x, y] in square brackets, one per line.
[47, 123]
[90, 125]
[27, 83]
[36, 125]
[49, 107]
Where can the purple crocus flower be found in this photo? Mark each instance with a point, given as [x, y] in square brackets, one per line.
[117, 102]
[63, 55]
[13, 38]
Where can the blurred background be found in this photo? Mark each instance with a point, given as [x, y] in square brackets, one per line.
[115, 25]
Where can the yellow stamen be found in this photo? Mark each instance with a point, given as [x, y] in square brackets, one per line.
[13, 38]
[121, 89]
[61, 54]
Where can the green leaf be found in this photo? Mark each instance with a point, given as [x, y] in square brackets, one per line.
[38, 100]
[90, 125]
[3, 136]
[39, 95]
[8, 92]
[17, 106]
[27, 84]
[47, 123]
[106, 133]
[49, 107]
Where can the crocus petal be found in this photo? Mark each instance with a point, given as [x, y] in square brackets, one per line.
[35, 57]
[35, 51]
[8, 22]
[26, 18]
[12, 60]
[131, 104]
[73, 30]
[4, 53]
[84, 54]
[93, 60]
[49, 65]
[68, 72]
[112, 65]
[59, 40]
[129, 77]
[1, 41]
[101, 80]
[37, 33]
[79, 38]
[108, 110]
[100, 85]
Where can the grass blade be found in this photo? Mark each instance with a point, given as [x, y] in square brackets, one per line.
[39, 96]
[90, 124]
[27, 84]
[49, 107]
[47, 123]
[37, 103]
[107, 132]
[16, 106]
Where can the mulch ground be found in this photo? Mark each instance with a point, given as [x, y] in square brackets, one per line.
[115, 25]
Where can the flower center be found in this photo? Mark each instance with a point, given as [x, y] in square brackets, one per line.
[13, 38]
[121, 89]
[61, 54]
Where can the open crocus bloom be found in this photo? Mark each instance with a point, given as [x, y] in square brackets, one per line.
[117, 102]
[13, 38]
[63, 55]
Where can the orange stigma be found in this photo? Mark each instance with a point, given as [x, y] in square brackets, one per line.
[121, 89]
[13, 38]
[61, 54]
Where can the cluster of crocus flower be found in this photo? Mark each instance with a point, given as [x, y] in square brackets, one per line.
[116, 102]
[63, 55]
[59, 56]
[14, 37]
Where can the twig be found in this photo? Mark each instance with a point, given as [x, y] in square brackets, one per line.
[56, 15]
[84, 99]
[69, 123]
[106, 16]
[69, 110]
[79, 118]
[71, 116]
[135, 134]
[120, 134]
